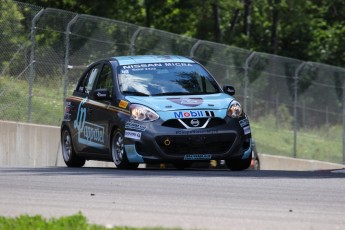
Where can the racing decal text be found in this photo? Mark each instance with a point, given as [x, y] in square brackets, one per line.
[192, 102]
[136, 66]
[88, 133]
[191, 114]
[244, 122]
[193, 157]
[135, 126]
[181, 132]
[132, 134]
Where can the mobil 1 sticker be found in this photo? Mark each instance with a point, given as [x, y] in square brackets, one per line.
[193, 113]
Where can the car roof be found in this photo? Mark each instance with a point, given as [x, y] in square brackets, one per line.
[145, 59]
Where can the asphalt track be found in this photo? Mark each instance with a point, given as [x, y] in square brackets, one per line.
[190, 199]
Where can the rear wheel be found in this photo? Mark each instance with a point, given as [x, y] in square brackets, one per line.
[69, 155]
[118, 152]
[239, 164]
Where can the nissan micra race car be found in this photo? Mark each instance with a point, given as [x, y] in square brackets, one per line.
[153, 109]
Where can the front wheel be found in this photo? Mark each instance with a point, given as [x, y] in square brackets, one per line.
[118, 152]
[238, 164]
[69, 155]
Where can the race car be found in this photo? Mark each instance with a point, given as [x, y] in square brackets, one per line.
[153, 109]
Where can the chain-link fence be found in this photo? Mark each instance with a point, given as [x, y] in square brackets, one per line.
[296, 107]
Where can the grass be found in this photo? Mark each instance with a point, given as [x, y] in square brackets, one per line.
[323, 143]
[76, 222]
[47, 101]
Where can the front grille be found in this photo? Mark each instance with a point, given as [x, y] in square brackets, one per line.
[211, 123]
[173, 123]
[196, 144]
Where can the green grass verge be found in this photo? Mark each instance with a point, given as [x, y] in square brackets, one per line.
[75, 222]
[46, 101]
[324, 143]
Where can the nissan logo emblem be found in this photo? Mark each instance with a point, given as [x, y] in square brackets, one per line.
[195, 122]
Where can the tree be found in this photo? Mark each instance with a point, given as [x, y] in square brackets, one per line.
[12, 33]
[307, 30]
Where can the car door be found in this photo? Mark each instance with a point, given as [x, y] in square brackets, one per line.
[99, 110]
[83, 126]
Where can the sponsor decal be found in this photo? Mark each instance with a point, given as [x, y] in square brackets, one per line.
[67, 114]
[246, 130]
[123, 104]
[193, 114]
[196, 131]
[68, 103]
[190, 102]
[177, 64]
[193, 157]
[137, 66]
[153, 65]
[132, 134]
[244, 122]
[99, 94]
[135, 126]
[88, 133]
[67, 117]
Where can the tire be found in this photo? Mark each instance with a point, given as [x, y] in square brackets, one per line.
[118, 152]
[239, 164]
[68, 153]
[182, 165]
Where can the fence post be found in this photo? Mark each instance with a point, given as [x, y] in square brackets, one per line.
[32, 61]
[246, 80]
[195, 46]
[295, 125]
[133, 38]
[67, 45]
[344, 121]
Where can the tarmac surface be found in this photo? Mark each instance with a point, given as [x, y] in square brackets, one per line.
[189, 199]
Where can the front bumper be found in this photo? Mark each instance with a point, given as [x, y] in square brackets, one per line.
[154, 142]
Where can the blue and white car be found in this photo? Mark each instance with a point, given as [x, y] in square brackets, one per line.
[153, 109]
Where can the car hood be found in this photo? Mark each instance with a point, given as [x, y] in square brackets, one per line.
[191, 102]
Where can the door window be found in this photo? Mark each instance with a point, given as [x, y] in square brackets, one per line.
[105, 80]
[86, 84]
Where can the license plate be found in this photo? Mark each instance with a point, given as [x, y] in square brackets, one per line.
[195, 157]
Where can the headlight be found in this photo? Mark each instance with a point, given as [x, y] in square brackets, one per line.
[235, 109]
[142, 113]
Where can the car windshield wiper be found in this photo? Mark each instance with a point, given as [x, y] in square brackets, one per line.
[135, 93]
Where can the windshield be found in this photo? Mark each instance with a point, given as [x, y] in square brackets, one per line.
[156, 79]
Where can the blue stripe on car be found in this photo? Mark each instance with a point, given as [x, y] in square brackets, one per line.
[132, 155]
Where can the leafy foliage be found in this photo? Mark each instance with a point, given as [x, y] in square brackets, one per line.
[307, 30]
[11, 37]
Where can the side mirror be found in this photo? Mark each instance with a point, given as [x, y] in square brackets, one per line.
[228, 89]
[101, 94]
